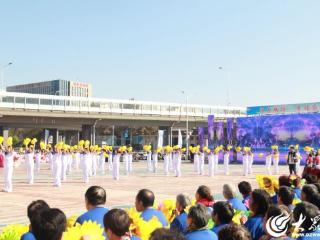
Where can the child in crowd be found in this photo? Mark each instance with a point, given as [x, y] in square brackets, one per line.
[50, 225]
[204, 197]
[259, 204]
[229, 193]
[297, 186]
[179, 224]
[117, 224]
[234, 232]
[222, 215]
[245, 189]
[286, 196]
[34, 210]
[275, 211]
[308, 191]
[197, 222]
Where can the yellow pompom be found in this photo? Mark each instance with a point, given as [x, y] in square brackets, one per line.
[1, 140]
[34, 141]
[9, 141]
[26, 142]
[90, 229]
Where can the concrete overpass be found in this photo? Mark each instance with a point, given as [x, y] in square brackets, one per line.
[60, 113]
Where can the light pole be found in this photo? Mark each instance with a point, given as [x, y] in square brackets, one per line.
[94, 131]
[2, 75]
[187, 126]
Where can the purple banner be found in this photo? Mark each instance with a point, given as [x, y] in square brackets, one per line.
[210, 131]
[201, 136]
[219, 133]
[229, 129]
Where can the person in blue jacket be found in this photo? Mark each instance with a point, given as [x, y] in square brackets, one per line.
[95, 199]
[116, 225]
[222, 215]
[229, 193]
[197, 224]
[144, 204]
[34, 210]
[179, 224]
[259, 204]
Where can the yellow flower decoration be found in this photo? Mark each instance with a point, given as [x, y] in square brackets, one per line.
[167, 207]
[268, 183]
[13, 232]
[91, 229]
[71, 221]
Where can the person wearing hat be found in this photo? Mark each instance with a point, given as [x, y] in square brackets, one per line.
[292, 160]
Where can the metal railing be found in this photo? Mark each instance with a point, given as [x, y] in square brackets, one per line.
[39, 102]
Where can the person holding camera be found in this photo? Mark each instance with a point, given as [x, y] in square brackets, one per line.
[292, 160]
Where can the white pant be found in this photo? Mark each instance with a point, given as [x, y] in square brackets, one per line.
[149, 163]
[268, 165]
[201, 165]
[38, 160]
[8, 172]
[226, 165]
[30, 170]
[166, 165]
[154, 162]
[86, 172]
[57, 167]
[64, 168]
[115, 168]
[110, 164]
[216, 162]
[126, 165]
[211, 165]
[245, 162]
[276, 165]
[94, 165]
[250, 164]
[102, 164]
[130, 162]
[178, 166]
[196, 164]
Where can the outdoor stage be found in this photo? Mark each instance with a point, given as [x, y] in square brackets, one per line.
[70, 197]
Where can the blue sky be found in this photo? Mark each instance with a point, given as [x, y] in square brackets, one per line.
[151, 50]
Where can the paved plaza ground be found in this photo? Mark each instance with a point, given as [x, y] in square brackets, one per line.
[70, 197]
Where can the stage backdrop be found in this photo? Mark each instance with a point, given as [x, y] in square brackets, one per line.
[261, 132]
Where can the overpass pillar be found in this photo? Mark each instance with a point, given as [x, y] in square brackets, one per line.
[87, 133]
[4, 131]
[54, 136]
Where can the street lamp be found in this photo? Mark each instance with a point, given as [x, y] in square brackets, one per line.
[2, 75]
[187, 125]
[94, 131]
